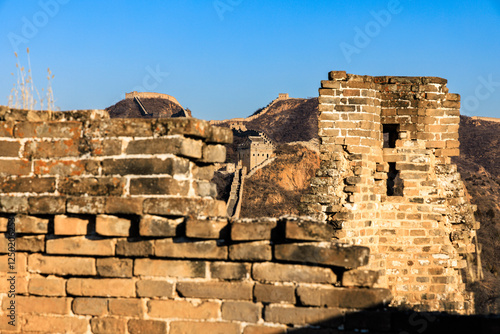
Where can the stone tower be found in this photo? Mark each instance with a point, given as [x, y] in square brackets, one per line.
[386, 181]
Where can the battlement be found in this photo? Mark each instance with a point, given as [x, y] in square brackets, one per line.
[148, 95]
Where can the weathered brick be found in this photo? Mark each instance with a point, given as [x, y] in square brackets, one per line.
[205, 189]
[360, 278]
[127, 307]
[153, 288]
[10, 204]
[105, 147]
[184, 206]
[118, 127]
[177, 145]
[323, 253]
[147, 326]
[45, 324]
[105, 287]
[31, 224]
[308, 230]
[43, 286]
[92, 186]
[157, 226]
[261, 329]
[80, 246]
[183, 309]
[114, 267]
[331, 317]
[159, 186]
[48, 129]
[187, 327]
[52, 149]
[241, 311]
[32, 244]
[134, 248]
[206, 228]
[121, 205]
[214, 153]
[220, 135]
[268, 293]
[216, 290]
[65, 167]
[252, 230]
[64, 225]
[147, 267]
[85, 205]
[9, 148]
[7, 129]
[191, 250]
[61, 265]
[108, 325]
[145, 166]
[15, 167]
[202, 172]
[20, 265]
[274, 272]
[229, 271]
[39, 305]
[27, 184]
[90, 306]
[47, 205]
[343, 297]
[112, 225]
[251, 251]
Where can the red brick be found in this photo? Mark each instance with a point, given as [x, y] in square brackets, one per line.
[112, 226]
[49, 129]
[127, 307]
[106, 287]
[47, 286]
[190, 250]
[153, 288]
[147, 267]
[273, 272]
[81, 246]
[183, 309]
[184, 327]
[61, 265]
[90, 306]
[241, 311]
[47, 324]
[216, 290]
[108, 325]
[147, 327]
[64, 225]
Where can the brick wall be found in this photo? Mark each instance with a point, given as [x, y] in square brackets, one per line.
[420, 230]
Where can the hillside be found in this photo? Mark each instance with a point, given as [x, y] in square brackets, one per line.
[159, 108]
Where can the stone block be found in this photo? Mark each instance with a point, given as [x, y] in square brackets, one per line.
[86, 205]
[220, 135]
[47, 205]
[181, 248]
[230, 271]
[92, 186]
[64, 225]
[360, 278]
[27, 184]
[114, 267]
[241, 311]
[188, 327]
[155, 288]
[52, 149]
[15, 167]
[145, 166]
[90, 306]
[214, 153]
[130, 307]
[66, 168]
[31, 224]
[50, 129]
[183, 309]
[252, 229]
[105, 147]
[112, 226]
[40, 305]
[308, 230]
[134, 248]
[251, 251]
[216, 290]
[81, 246]
[105, 287]
[328, 317]
[177, 145]
[333, 254]
[121, 205]
[46, 324]
[11, 204]
[167, 268]
[275, 272]
[61, 265]
[43, 286]
[118, 127]
[202, 172]
[32, 244]
[206, 228]
[357, 298]
[136, 326]
[159, 186]
[261, 329]
[157, 226]
[269, 293]
[184, 206]
[108, 325]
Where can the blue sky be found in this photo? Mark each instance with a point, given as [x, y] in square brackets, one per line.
[227, 58]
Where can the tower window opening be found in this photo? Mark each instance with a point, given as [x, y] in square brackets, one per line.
[394, 181]
[390, 132]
